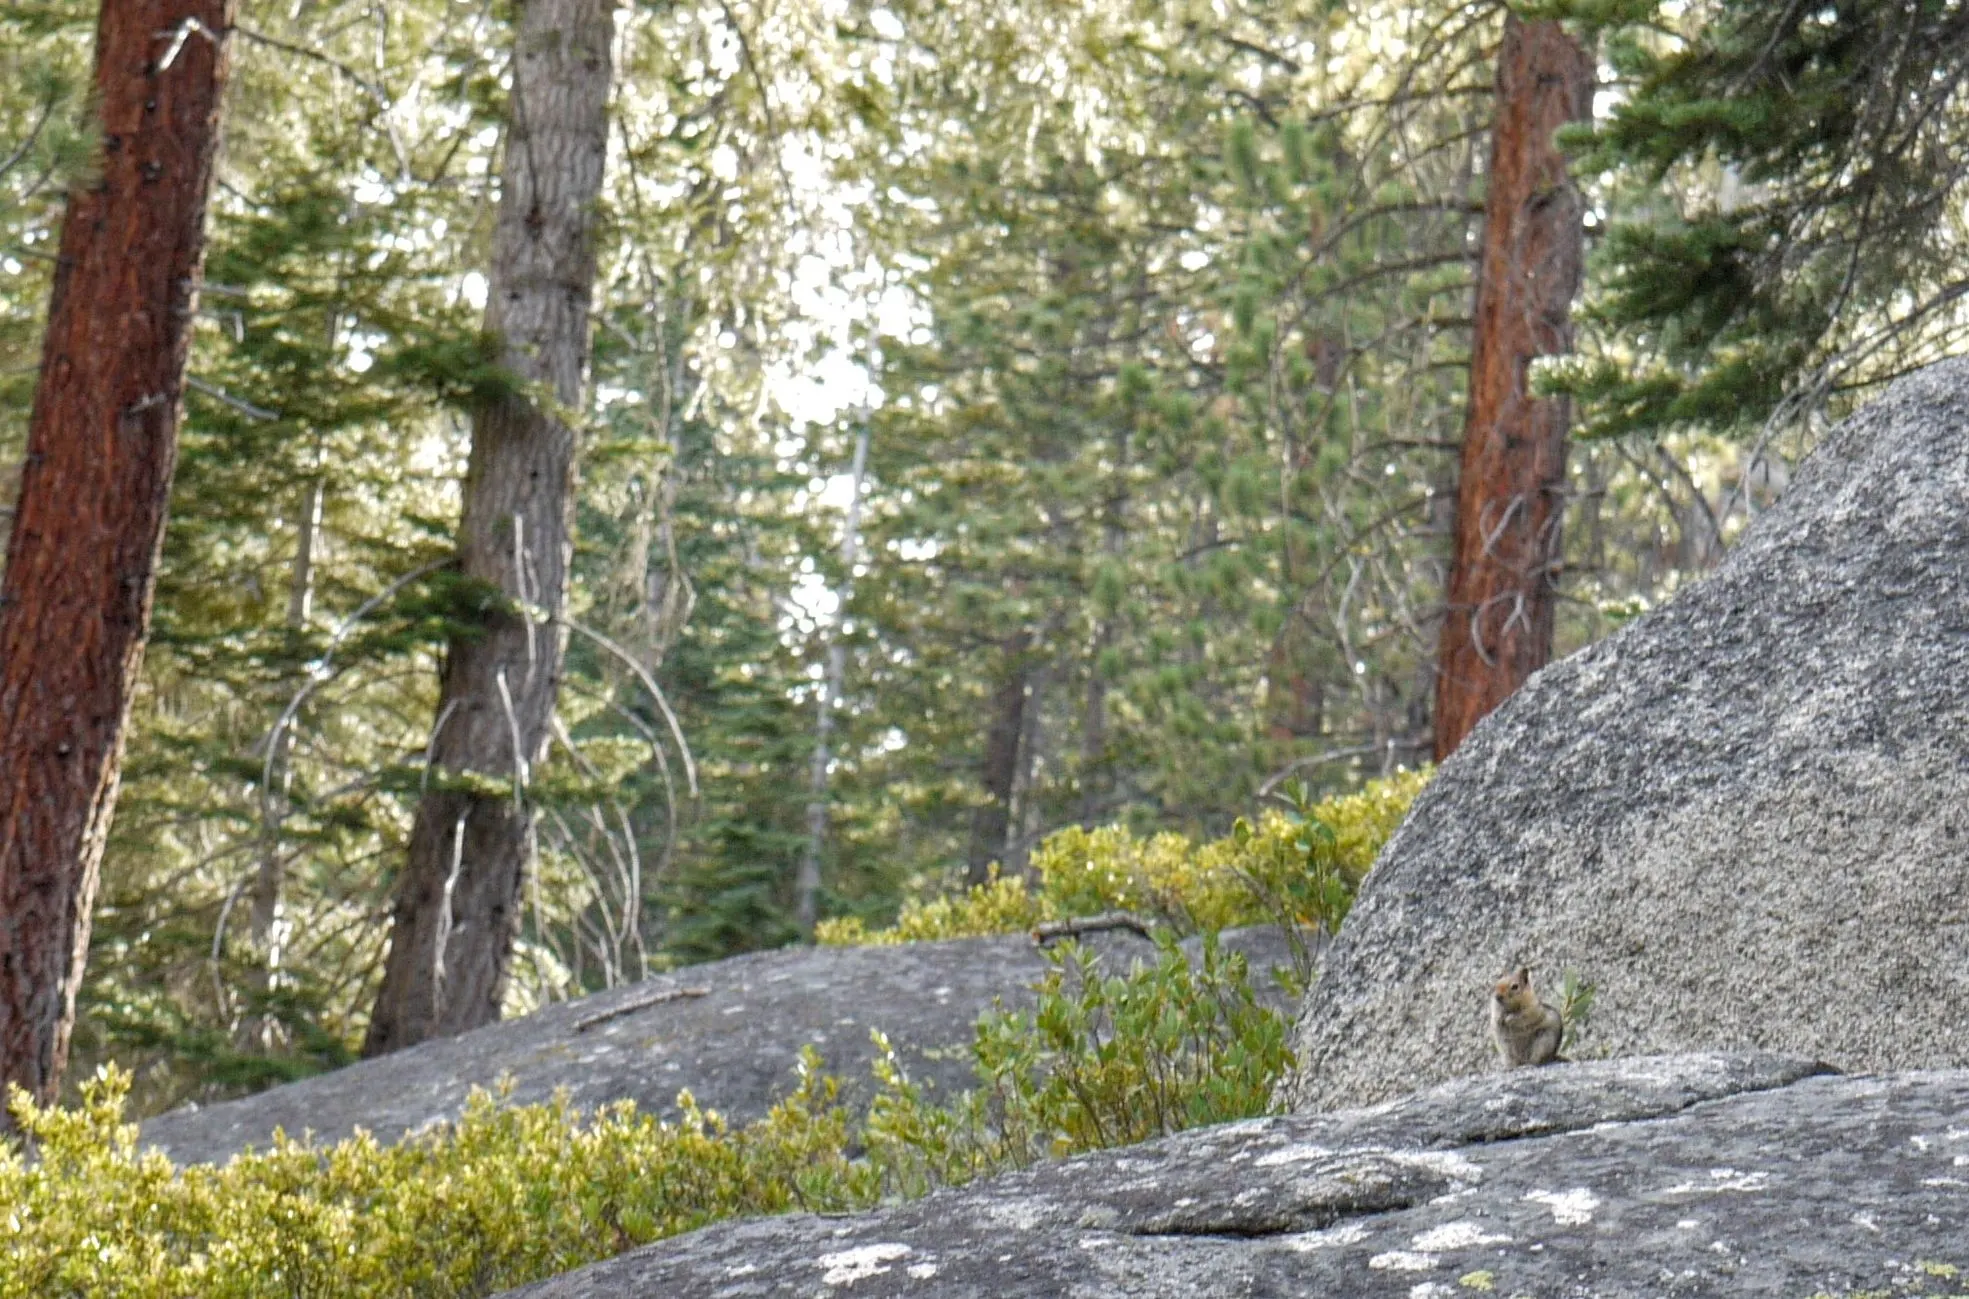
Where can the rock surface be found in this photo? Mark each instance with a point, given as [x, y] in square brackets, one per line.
[1744, 817]
[734, 1047]
[1690, 1175]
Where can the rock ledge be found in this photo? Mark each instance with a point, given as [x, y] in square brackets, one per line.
[1698, 1174]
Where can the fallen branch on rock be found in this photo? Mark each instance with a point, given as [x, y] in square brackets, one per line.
[639, 1003]
[1075, 926]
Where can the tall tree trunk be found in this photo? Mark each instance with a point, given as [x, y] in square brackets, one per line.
[1295, 694]
[1023, 823]
[102, 443]
[993, 818]
[806, 884]
[259, 1027]
[1497, 628]
[1094, 733]
[457, 904]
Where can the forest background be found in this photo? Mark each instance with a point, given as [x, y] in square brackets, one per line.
[1004, 417]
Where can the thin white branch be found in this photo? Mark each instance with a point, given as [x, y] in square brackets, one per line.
[656, 693]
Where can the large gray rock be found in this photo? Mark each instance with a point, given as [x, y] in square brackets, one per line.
[1693, 1175]
[734, 1047]
[1745, 817]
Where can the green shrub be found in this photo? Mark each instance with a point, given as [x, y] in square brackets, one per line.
[510, 1193]
[1100, 1060]
[1002, 906]
[1303, 861]
[505, 1195]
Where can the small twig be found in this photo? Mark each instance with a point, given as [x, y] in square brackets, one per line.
[1075, 926]
[1279, 777]
[630, 661]
[640, 1003]
[219, 948]
[322, 668]
[33, 137]
[374, 91]
[521, 776]
[765, 100]
[431, 748]
[240, 404]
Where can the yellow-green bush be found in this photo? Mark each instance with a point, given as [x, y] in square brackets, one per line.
[512, 1193]
[1002, 906]
[509, 1194]
[505, 1195]
[1304, 862]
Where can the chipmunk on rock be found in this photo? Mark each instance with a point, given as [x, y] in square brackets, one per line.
[1526, 1030]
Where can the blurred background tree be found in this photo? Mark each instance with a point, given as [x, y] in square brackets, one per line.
[1156, 318]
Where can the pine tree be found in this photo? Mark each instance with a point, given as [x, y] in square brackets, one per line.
[1176, 338]
[1794, 177]
[342, 351]
[457, 901]
[1497, 624]
[1179, 406]
[81, 562]
[329, 349]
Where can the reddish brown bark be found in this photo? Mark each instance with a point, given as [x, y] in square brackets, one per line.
[457, 903]
[1497, 629]
[102, 444]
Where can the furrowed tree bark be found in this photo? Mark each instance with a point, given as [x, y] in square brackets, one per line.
[457, 901]
[1497, 627]
[993, 817]
[102, 444]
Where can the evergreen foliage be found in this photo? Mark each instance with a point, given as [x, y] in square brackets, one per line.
[1156, 317]
[338, 351]
[328, 291]
[1804, 168]
[1146, 471]
[44, 145]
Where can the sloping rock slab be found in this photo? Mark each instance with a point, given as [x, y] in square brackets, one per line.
[1692, 1175]
[1744, 817]
[734, 1047]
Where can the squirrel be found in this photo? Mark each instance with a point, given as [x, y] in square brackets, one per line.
[1527, 1031]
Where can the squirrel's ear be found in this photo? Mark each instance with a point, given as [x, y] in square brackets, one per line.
[1524, 974]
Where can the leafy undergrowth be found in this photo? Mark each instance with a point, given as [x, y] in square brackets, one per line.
[1303, 862]
[512, 1193]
